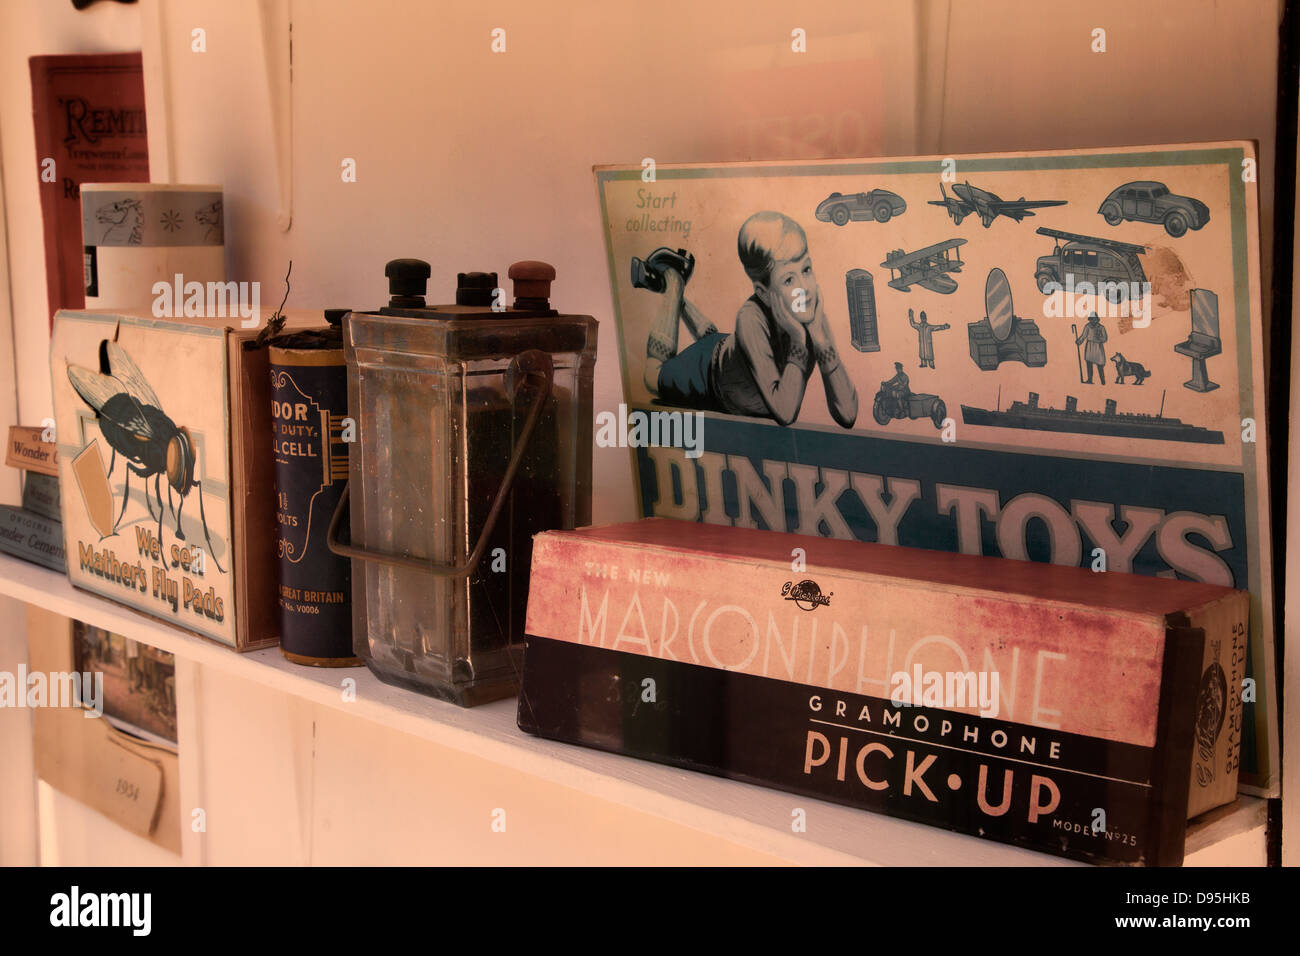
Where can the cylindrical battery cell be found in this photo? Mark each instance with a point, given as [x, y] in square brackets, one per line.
[308, 408]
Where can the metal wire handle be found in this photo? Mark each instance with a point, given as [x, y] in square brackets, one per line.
[542, 378]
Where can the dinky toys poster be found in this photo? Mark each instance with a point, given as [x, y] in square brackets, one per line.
[1049, 356]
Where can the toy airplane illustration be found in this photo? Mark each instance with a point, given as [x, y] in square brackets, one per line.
[971, 199]
[928, 267]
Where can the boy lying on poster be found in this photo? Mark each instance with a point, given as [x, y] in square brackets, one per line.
[762, 368]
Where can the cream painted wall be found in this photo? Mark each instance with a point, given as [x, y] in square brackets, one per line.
[473, 160]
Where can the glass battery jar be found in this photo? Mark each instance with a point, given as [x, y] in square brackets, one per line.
[473, 433]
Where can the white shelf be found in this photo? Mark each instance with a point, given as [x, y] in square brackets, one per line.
[750, 816]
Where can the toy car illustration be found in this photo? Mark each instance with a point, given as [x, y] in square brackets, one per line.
[878, 204]
[1153, 202]
[1111, 267]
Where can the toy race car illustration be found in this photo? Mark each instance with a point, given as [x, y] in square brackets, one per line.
[878, 204]
[896, 400]
[1153, 202]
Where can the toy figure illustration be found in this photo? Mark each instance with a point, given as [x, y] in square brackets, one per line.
[898, 387]
[781, 333]
[1094, 354]
[925, 337]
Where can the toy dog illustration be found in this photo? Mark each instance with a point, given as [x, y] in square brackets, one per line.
[1125, 368]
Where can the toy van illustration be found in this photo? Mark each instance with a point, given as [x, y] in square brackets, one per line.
[1110, 266]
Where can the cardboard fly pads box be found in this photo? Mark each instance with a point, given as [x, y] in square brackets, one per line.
[165, 469]
[1078, 713]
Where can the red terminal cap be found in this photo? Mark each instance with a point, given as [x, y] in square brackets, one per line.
[532, 280]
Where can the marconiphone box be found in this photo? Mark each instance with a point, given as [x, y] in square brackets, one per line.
[1084, 714]
[165, 469]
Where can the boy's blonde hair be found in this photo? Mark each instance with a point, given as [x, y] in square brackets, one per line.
[767, 238]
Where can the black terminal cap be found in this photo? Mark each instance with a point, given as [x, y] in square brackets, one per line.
[408, 280]
[475, 288]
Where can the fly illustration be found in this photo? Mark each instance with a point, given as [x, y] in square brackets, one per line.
[133, 423]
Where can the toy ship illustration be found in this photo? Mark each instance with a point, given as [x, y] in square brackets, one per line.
[1070, 419]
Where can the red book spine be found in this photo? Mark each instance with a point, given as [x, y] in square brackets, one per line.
[89, 117]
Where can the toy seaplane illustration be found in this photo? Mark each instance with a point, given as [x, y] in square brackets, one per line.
[928, 267]
[971, 199]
